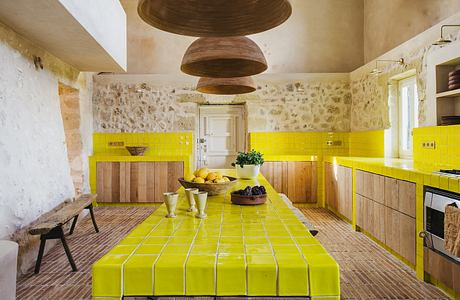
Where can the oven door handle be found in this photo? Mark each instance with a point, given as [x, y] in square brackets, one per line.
[422, 234]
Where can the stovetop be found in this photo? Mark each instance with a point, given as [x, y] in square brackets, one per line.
[452, 172]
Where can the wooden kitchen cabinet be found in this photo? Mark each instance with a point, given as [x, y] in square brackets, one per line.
[338, 189]
[442, 269]
[391, 193]
[407, 237]
[385, 207]
[136, 182]
[392, 225]
[407, 197]
[296, 179]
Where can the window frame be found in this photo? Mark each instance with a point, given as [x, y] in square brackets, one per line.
[402, 83]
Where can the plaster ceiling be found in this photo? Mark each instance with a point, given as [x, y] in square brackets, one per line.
[320, 37]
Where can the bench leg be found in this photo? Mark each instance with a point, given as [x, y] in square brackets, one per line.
[40, 254]
[91, 212]
[74, 222]
[67, 250]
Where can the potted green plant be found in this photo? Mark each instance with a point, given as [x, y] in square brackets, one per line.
[248, 164]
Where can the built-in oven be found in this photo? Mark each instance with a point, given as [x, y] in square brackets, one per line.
[435, 201]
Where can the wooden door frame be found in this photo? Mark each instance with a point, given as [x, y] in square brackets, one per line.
[198, 127]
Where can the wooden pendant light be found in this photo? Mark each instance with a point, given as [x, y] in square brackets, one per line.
[216, 18]
[223, 57]
[226, 86]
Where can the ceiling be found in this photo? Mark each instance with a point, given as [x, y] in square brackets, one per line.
[320, 36]
[327, 36]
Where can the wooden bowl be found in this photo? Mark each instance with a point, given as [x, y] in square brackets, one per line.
[137, 150]
[248, 200]
[211, 188]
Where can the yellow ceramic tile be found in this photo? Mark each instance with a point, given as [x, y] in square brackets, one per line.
[123, 249]
[169, 275]
[231, 240]
[131, 241]
[261, 274]
[149, 249]
[285, 249]
[231, 249]
[200, 275]
[156, 240]
[258, 249]
[306, 240]
[231, 275]
[324, 275]
[107, 275]
[176, 249]
[292, 275]
[204, 249]
[281, 241]
[138, 275]
[312, 249]
[256, 240]
[181, 240]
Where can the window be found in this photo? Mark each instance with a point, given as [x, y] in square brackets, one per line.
[408, 114]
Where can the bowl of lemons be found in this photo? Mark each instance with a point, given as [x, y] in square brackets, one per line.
[209, 181]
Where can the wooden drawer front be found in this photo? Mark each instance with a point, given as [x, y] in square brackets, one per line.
[407, 237]
[136, 182]
[391, 193]
[392, 225]
[295, 179]
[442, 269]
[331, 187]
[370, 185]
[407, 197]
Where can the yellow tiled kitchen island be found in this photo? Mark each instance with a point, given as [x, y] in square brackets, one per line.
[236, 251]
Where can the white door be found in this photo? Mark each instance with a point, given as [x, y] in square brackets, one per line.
[222, 135]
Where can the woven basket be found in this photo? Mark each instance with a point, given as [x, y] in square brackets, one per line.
[137, 150]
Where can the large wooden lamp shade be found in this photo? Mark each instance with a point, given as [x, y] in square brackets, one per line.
[223, 57]
[216, 18]
[226, 86]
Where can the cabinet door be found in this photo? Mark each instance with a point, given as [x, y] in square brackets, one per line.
[391, 193]
[108, 181]
[407, 237]
[406, 197]
[344, 182]
[299, 182]
[276, 174]
[379, 222]
[360, 210]
[359, 182]
[331, 186]
[166, 175]
[368, 185]
[442, 269]
[392, 230]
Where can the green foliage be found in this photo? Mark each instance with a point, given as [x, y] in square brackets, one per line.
[252, 157]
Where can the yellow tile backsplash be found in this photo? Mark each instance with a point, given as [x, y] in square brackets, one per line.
[367, 143]
[159, 143]
[446, 152]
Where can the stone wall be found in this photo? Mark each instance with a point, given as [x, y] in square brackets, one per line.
[150, 103]
[370, 93]
[34, 174]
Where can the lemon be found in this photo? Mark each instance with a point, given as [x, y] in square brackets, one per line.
[218, 175]
[203, 173]
[211, 176]
[221, 180]
[209, 181]
[198, 180]
[189, 177]
[226, 179]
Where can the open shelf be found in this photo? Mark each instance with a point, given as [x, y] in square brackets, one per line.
[449, 94]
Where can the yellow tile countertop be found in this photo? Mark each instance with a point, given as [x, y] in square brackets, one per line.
[236, 251]
[402, 169]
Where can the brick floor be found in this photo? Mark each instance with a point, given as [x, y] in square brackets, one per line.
[367, 270]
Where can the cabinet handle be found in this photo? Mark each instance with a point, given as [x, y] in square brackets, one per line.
[422, 234]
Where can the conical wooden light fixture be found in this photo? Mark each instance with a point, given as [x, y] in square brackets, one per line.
[214, 18]
[226, 86]
[223, 57]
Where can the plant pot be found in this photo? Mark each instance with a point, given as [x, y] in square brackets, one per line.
[247, 171]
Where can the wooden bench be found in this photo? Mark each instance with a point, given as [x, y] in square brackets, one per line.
[51, 227]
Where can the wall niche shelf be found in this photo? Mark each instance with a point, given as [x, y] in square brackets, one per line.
[447, 101]
[449, 94]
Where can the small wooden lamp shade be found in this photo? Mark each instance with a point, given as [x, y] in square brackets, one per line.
[216, 18]
[226, 86]
[223, 58]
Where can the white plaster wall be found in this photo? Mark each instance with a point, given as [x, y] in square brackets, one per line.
[34, 169]
[105, 20]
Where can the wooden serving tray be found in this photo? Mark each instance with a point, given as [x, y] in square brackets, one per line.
[248, 200]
